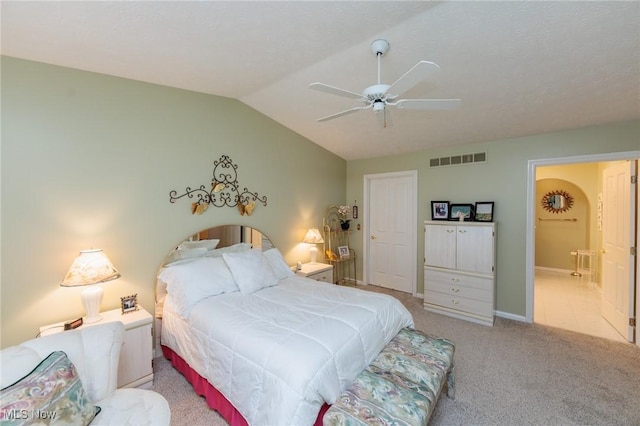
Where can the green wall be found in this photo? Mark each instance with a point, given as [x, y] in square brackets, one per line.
[88, 160]
[503, 179]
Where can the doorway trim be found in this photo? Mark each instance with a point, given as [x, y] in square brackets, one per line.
[413, 174]
[531, 205]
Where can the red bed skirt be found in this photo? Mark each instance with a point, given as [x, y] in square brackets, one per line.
[214, 398]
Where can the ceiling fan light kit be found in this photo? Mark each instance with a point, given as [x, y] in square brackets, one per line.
[379, 96]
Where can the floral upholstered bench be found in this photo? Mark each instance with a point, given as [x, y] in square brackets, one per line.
[402, 384]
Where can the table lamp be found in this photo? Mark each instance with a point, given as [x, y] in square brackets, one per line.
[313, 237]
[90, 267]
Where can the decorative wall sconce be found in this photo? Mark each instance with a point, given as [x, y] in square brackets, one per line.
[224, 191]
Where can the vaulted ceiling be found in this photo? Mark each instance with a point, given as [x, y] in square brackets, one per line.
[520, 68]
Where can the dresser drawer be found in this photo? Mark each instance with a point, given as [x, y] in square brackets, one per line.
[478, 307]
[472, 287]
[473, 281]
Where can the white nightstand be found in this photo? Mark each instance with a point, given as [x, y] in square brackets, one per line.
[317, 271]
[135, 368]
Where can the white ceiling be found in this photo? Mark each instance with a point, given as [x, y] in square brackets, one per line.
[520, 68]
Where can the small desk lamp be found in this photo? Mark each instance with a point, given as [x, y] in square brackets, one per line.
[90, 267]
[313, 237]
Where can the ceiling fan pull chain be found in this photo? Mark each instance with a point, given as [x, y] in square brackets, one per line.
[379, 55]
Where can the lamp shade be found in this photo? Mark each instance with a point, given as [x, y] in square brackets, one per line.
[313, 237]
[90, 267]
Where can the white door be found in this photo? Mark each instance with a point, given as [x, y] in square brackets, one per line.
[618, 228]
[391, 228]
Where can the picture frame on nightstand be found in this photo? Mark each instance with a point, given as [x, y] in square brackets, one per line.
[344, 252]
[129, 303]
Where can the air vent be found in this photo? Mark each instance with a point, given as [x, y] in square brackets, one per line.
[454, 160]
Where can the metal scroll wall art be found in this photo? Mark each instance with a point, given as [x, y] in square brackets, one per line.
[224, 191]
[557, 201]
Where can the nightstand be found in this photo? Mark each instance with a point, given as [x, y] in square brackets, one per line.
[317, 271]
[135, 368]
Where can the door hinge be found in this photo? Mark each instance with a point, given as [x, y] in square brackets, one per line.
[633, 251]
[632, 322]
[634, 179]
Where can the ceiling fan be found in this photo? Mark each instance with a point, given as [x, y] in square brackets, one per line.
[380, 96]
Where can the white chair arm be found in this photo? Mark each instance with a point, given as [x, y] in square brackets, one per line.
[95, 352]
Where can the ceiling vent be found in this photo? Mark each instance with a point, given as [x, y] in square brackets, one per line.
[454, 160]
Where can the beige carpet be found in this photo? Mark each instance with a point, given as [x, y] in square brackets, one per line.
[510, 374]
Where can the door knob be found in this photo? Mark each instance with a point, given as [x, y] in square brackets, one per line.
[373, 237]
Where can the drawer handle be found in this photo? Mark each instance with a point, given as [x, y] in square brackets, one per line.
[455, 302]
[455, 280]
[450, 230]
[455, 290]
[462, 231]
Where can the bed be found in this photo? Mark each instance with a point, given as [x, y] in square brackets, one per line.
[263, 345]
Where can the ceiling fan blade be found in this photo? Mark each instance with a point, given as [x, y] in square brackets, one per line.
[415, 75]
[340, 114]
[335, 91]
[428, 104]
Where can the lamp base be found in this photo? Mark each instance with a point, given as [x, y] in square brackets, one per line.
[314, 253]
[91, 300]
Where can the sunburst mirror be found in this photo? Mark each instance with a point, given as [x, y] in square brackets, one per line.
[557, 201]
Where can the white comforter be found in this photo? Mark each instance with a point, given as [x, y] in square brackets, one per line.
[278, 354]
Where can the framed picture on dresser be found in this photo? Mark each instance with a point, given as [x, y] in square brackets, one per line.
[439, 210]
[458, 210]
[484, 211]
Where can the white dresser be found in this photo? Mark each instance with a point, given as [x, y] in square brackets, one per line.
[459, 269]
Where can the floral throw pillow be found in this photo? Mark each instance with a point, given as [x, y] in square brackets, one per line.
[52, 394]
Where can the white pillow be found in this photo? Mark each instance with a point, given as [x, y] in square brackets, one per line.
[229, 249]
[189, 283]
[207, 244]
[277, 263]
[179, 255]
[250, 270]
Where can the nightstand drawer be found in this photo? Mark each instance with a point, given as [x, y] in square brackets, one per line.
[317, 271]
[326, 276]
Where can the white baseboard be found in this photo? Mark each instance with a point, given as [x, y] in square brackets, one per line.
[544, 268]
[511, 316]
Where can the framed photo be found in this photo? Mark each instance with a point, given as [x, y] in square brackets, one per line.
[458, 210]
[439, 210]
[129, 303]
[484, 211]
[344, 252]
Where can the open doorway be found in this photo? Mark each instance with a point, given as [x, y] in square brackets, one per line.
[556, 295]
[567, 288]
